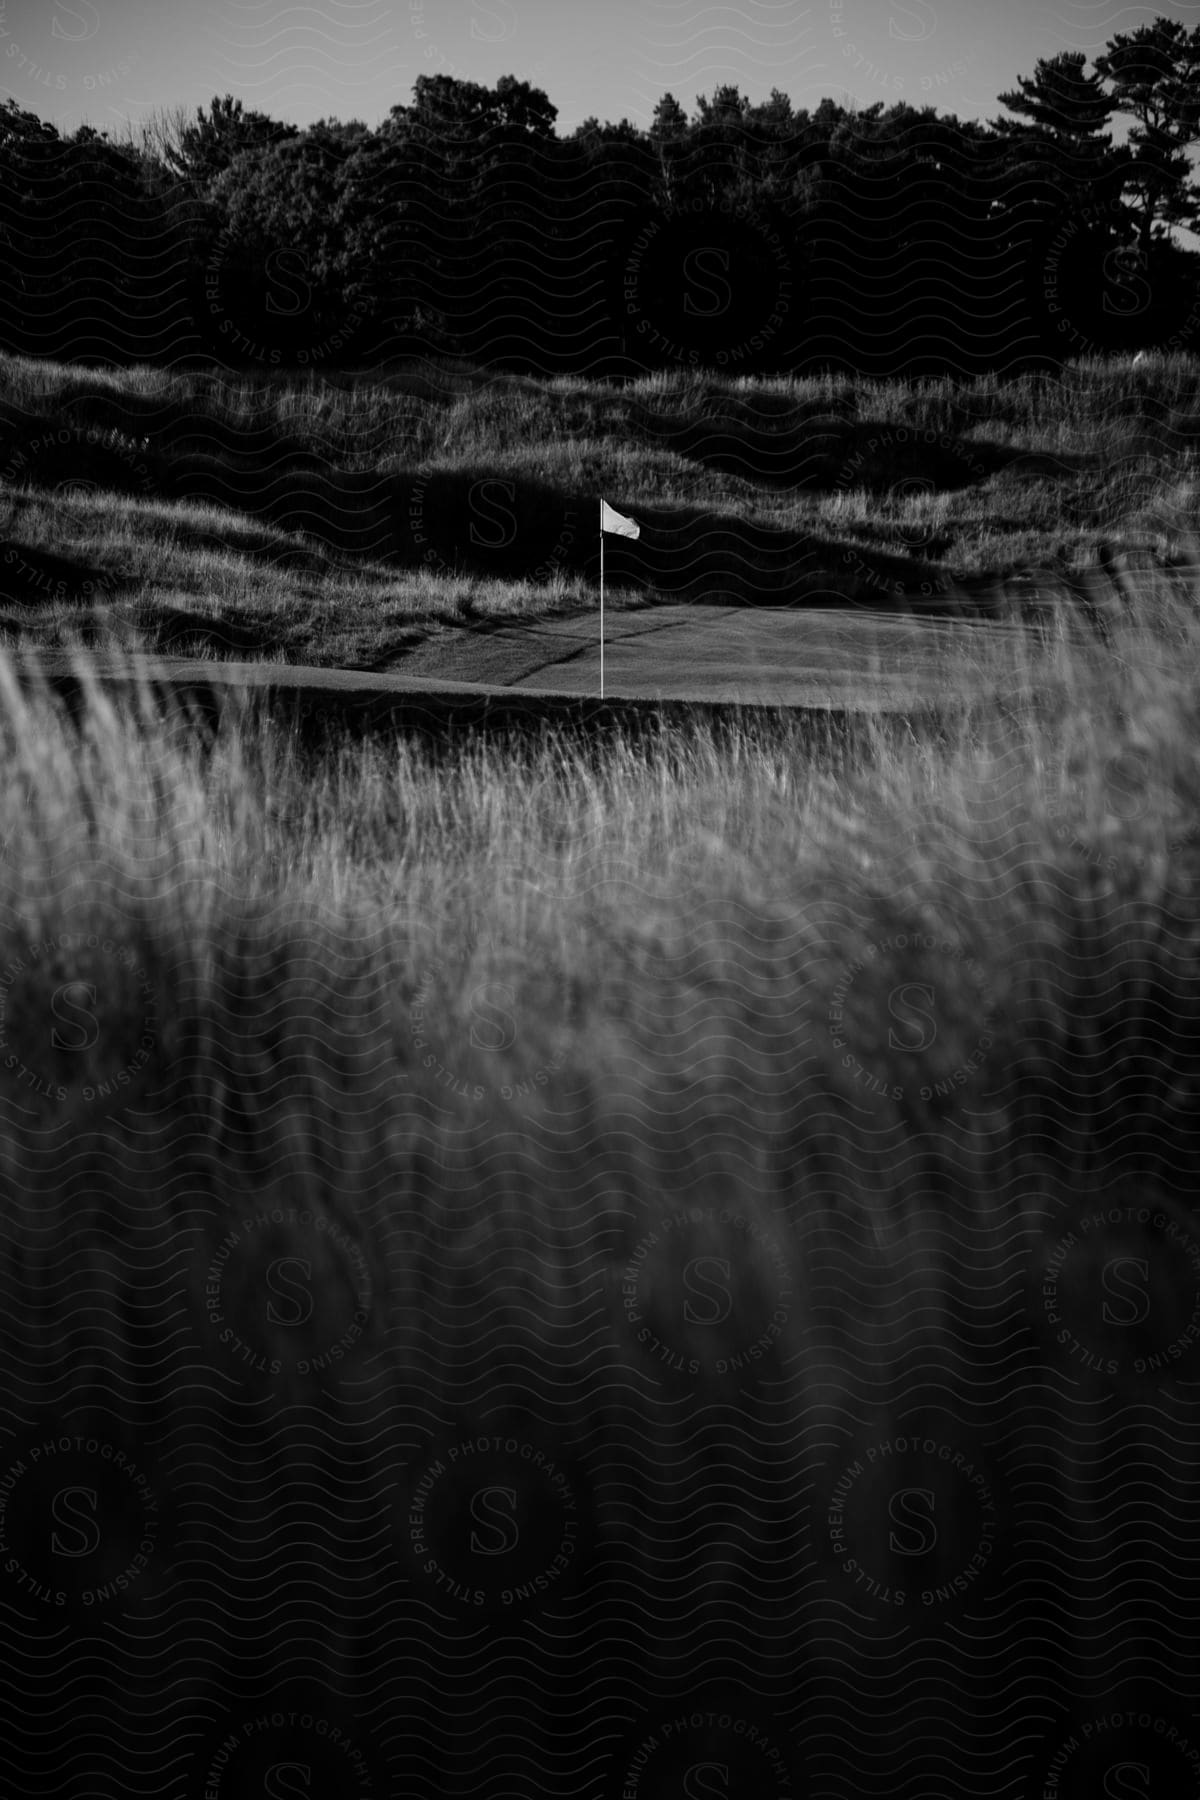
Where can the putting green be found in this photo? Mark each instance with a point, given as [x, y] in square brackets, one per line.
[750, 655]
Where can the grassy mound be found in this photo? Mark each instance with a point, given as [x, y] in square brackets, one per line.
[436, 493]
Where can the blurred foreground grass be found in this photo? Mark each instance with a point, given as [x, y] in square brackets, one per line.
[700, 1121]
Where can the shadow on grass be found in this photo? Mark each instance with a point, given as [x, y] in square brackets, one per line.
[30, 577]
[476, 522]
[174, 629]
[824, 453]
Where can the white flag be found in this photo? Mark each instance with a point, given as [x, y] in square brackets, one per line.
[615, 521]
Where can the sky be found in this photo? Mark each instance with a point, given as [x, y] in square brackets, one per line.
[110, 62]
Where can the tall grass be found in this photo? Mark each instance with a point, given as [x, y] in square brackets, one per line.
[706, 1118]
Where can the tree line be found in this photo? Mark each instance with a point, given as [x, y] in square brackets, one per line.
[753, 238]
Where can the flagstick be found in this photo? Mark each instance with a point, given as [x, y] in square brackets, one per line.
[602, 599]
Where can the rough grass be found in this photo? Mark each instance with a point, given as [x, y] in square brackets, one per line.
[289, 501]
[721, 1127]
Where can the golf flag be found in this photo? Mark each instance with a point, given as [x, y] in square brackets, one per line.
[611, 520]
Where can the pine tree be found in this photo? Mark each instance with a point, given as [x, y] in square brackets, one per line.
[670, 120]
[1060, 98]
[1155, 75]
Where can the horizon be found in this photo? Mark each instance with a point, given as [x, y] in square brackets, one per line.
[115, 63]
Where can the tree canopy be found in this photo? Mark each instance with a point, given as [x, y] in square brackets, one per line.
[465, 221]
